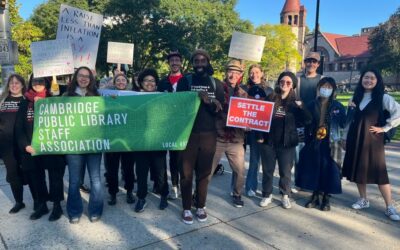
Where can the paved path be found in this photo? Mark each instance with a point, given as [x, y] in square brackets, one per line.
[250, 227]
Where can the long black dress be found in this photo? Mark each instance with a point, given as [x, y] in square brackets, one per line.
[364, 161]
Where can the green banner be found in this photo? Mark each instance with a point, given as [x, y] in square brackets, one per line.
[79, 125]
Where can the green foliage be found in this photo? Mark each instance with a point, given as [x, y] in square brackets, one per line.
[384, 45]
[280, 49]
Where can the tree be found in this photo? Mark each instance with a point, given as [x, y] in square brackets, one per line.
[280, 49]
[23, 32]
[384, 44]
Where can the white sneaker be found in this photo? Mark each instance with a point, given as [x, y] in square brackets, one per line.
[294, 190]
[392, 213]
[174, 193]
[265, 201]
[360, 204]
[286, 202]
[201, 214]
[251, 193]
[187, 217]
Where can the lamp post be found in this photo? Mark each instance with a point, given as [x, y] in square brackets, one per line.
[320, 69]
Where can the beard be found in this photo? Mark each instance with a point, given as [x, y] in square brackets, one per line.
[200, 70]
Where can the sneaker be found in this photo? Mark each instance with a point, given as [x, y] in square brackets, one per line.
[251, 193]
[187, 217]
[94, 218]
[392, 213]
[74, 220]
[174, 193]
[360, 204]
[294, 190]
[140, 205]
[237, 201]
[201, 214]
[286, 202]
[265, 201]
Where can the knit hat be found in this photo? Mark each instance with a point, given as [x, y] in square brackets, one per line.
[234, 64]
[200, 52]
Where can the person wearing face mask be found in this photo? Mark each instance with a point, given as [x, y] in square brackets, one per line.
[364, 162]
[146, 160]
[317, 170]
[169, 84]
[279, 144]
[112, 161]
[10, 101]
[34, 166]
[199, 153]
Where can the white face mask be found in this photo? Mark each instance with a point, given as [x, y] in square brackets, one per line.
[325, 92]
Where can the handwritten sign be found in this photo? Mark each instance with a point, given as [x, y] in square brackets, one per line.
[120, 53]
[52, 58]
[82, 29]
[246, 46]
[250, 113]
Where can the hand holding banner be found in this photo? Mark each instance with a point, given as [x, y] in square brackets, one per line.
[250, 113]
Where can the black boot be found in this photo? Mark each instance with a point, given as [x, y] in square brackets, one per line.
[40, 211]
[113, 200]
[57, 212]
[325, 205]
[314, 201]
[130, 199]
[18, 206]
[163, 202]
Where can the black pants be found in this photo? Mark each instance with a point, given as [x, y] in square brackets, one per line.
[113, 161]
[34, 170]
[156, 160]
[198, 158]
[285, 158]
[14, 172]
[173, 167]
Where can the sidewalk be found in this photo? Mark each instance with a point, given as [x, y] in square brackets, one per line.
[250, 227]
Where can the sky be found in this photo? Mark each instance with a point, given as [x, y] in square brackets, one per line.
[345, 17]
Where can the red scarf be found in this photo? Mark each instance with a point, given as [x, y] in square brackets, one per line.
[31, 94]
[174, 79]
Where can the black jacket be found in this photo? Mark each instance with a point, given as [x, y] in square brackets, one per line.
[294, 114]
[164, 85]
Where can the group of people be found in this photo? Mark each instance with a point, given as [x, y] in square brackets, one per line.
[308, 130]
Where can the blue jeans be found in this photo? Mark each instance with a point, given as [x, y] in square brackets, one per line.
[74, 202]
[254, 165]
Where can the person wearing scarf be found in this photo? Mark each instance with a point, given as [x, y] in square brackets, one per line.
[34, 166]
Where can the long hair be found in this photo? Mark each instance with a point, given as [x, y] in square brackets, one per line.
[277, 95]
[249, 81]
[377, 91]
[6, 90]
[91, 88]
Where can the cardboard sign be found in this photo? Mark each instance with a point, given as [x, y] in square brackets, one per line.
[52, 58]
[82, 28]
[246, 46]
[250, 113]
[120, 53]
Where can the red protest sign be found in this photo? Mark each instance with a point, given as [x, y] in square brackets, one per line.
[250, 113]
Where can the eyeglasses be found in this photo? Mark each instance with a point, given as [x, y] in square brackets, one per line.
[311, 61]
[283, 82]
[83, 76]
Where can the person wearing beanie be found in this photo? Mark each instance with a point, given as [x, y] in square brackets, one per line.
[34, 166]
[230, 140]
[198, 156]
[169, 84]
[279, 144]
[317, 170]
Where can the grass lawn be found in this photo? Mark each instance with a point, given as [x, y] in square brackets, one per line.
[344, 98]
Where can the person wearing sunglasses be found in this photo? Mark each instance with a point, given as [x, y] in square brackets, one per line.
[279, 144]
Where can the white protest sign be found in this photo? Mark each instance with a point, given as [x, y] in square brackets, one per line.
[82, 28]
[52, 58]
[246, 46]
[120, 53]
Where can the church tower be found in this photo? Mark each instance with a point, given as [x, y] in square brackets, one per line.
[294, 15]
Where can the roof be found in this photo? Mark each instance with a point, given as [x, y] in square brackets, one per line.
[291, 6]
[348, 46]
